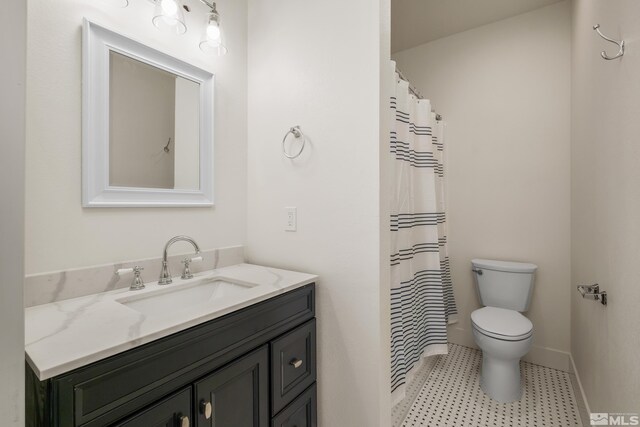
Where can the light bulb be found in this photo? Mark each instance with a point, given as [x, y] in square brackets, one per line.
[169, 7]
[212, 37]
[213, 31]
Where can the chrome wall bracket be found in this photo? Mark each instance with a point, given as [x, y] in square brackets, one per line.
[593, 292]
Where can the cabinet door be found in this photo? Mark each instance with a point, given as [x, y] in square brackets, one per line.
[174, 411]
[236, 395]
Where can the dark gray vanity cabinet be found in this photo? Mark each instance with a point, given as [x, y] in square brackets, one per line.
[255, 367]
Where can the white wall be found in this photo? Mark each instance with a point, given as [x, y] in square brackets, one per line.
[12, 128]
[60, 233]
[385, 169]
[304, 70]
[504, 92]
[605, 204]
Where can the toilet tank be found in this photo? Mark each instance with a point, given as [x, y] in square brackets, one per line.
[504, 284]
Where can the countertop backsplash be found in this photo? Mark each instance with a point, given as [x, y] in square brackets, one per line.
[61, 285]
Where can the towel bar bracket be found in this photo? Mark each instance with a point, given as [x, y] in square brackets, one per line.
[593, 292]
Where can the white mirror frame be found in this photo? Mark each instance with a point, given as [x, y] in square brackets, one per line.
[98, 42]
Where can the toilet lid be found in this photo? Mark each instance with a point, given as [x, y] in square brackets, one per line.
[502, 323]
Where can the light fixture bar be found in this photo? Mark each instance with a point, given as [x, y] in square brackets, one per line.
[212, 5]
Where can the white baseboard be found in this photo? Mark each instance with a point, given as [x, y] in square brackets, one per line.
[584, 396]
[549, 357]
[543, 356]
[457, 335]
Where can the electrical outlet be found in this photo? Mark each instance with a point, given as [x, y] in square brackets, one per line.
[291, 219]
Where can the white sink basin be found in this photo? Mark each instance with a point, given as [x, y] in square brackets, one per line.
[184, 297]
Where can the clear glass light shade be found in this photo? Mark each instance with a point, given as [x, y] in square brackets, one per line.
[212, 40]
[169, 16]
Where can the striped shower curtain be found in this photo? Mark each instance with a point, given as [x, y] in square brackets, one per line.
[422, 300]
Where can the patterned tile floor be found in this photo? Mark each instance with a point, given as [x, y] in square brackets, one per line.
[451, 397]
[399, 412]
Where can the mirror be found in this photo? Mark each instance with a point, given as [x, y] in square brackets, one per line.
[147, 125]
[153, 127]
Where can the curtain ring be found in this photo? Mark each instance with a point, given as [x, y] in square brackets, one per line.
[295, 131]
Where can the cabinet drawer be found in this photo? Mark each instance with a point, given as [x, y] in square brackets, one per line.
[174, 411]
[293, 364]
[300, 413]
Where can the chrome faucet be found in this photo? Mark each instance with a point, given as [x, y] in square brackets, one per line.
[165, 275]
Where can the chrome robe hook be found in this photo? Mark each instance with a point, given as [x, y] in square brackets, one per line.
[620, 45]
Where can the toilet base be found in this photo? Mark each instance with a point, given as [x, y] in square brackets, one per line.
[500, 379]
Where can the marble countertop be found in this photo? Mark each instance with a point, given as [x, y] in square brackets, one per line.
[65, 335]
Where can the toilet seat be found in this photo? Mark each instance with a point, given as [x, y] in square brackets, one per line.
[502, 324]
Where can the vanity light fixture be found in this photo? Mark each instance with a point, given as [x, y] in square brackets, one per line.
[169, 16]
[212, 38]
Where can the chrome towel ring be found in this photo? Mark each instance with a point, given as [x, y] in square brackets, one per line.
[296, 132]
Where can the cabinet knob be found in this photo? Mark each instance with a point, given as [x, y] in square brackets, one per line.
[184, 421]
[296, 363]
[206, 409]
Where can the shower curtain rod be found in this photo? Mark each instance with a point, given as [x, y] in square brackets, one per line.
[412, 89]
[415, 91]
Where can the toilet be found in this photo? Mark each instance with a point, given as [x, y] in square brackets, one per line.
[500, 330]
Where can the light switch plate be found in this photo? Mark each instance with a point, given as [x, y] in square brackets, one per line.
[291, 219]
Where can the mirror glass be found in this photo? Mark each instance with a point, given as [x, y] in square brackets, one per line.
[154, 138]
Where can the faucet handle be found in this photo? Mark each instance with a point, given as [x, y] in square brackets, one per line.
[137, 283]
[123, 271]
[186, 272]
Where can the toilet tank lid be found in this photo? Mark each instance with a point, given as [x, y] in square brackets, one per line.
[510, 266]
